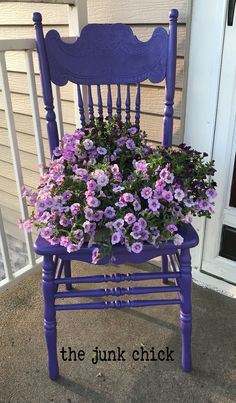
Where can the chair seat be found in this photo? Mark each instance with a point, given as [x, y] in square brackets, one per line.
[43, 247]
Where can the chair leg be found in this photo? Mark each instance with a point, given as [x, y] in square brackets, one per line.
[186, 308]
[67, 268]
[164, 261]
[50, 324]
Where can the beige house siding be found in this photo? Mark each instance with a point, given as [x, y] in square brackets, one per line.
[16, 22]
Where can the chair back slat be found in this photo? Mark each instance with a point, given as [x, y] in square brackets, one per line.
[90, 104]
[137, 105]
[127, 103]
[109, 101]
[81, 106]
[100, 106]
[118, 103]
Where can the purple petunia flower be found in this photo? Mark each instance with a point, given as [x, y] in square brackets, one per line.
[65, 241]
[97, 215]
[64, 221]
[130, 144]
[204, 204]
[132, 130]
[46, 232]
[153, 204]
[72, 247]
[75, 208]
[128, 197]
[115, 169]
[109, 212]
[135, 235]
[137, 205]
[102, 150]
[146, 192]
[91, 185]
[141, 166]
[142, 223]
[102, 180]
[88, 213]
[118, 224]
[179, 194]
[130, 218]
[95, 255]
[171, 228]
[211, 193]
[167, 195]
[88, 144]
[93, 201]
[116, 236]
[137, 247]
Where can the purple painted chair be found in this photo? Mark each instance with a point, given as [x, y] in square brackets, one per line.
[108, 54]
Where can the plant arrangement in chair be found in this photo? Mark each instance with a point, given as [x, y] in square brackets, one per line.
[106, 185]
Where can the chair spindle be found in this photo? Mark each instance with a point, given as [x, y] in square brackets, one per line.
[100, 106]
[137, 105]
[127, 104]
[109, 101]
[81, 106]
[90, 104]
[118, 103]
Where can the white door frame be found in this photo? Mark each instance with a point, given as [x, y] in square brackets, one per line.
[204, 70]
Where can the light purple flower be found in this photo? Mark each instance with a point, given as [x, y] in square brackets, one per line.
[171, 228]
[137, 205]
[153, 204]
[170, 178]
[93, 201]
[88, 144]
[115, 169]
[118, 189]
[188, 203]
[135, 235]
[46, 232]
[136, 227]
[88, 213]
[132, 130]
[75, 208]
[164, 174]
[130, 144]
[179, 194]
[97, 215]
[142, 223]
[95, 255]
[130, 218]
[72, 247]
[102, 150]
[109, 212]
[146, 192]
[64, 221]
[91, 185]
[128, 197]
[65, 241]
[178, 239]
[211, 193]
[116, 236]
[144, 235]
[141, 166]
[118, 224]
[167, 195]
[137, 247]
[102, 180]
[204, 204]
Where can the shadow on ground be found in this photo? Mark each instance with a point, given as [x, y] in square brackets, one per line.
[23, 361]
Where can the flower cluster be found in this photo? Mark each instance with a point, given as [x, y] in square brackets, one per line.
[107, 186]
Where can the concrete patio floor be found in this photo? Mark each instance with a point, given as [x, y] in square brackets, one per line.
[23, 362]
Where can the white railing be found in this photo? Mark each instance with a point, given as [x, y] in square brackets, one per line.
[77, 15]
